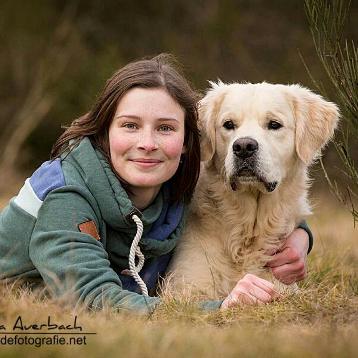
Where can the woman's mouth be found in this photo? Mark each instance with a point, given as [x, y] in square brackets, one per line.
[145, 162]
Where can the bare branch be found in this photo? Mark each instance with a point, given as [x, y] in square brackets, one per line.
[339, 58]
[39, 99]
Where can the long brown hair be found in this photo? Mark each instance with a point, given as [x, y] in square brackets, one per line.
[161, 71]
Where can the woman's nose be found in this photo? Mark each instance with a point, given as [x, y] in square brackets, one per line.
[147, 141]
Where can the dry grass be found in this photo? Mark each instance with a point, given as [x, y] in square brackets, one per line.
[320, 321]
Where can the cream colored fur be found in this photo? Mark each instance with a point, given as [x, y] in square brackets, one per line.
[228, 232]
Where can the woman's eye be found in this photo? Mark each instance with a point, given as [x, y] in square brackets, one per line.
[165, 128]
[274, 125]
[130, 125]
[229, 124]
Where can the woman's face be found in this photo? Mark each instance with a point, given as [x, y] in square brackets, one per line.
[146, 138]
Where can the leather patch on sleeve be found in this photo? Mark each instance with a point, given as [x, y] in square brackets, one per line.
[89, 227]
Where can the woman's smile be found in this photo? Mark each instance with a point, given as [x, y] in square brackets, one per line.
[146, 163]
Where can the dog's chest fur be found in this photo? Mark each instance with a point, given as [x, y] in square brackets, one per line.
[231, 233]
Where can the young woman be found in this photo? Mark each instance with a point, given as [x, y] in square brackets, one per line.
[111, 201]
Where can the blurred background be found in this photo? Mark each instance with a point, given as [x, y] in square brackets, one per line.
[56, 56]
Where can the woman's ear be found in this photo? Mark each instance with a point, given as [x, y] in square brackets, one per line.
[209, 108]
[316, 120]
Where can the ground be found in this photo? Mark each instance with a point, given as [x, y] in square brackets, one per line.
[320, 321]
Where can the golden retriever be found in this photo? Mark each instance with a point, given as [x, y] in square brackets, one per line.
[257, 143]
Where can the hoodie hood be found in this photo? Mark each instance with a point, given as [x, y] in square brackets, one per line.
[115, 206]
[160, 219]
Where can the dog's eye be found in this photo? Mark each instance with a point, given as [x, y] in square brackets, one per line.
[274, 125]
[229, 124]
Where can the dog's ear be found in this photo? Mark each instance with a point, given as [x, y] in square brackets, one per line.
[316, 120]
[209, 108]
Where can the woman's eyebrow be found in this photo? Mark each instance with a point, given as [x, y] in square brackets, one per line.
[161, 119]
[167, 119]
[127, 116]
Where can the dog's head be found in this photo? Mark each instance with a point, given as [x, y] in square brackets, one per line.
[255, 134]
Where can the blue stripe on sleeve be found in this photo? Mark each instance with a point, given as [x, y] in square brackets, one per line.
[47, 178]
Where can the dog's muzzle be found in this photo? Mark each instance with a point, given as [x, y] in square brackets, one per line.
[245, 150]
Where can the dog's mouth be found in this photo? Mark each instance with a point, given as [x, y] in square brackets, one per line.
[247, 175]
[246, 172]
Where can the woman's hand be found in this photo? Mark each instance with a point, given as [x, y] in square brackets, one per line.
[289, 264]
[250, 290]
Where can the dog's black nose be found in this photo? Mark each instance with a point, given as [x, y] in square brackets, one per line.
[245, 147]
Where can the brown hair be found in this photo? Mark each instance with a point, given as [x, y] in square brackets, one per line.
[161, 71]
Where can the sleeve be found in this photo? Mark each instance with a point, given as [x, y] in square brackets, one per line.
[303, 225]
[74, 265]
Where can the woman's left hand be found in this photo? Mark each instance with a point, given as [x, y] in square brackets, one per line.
[289, 264]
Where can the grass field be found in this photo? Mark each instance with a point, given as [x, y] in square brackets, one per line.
[320, 321]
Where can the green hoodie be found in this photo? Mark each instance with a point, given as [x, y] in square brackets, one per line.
[75, 232]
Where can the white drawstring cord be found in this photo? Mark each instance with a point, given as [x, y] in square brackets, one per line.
[135, 251]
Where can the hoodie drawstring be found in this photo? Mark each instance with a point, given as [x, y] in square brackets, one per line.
[135, 251]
